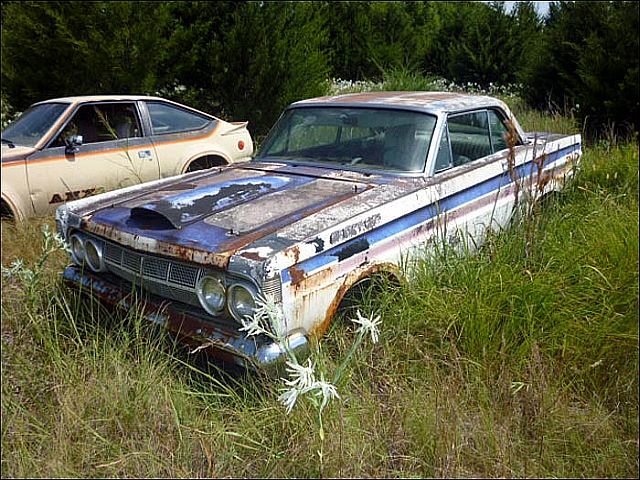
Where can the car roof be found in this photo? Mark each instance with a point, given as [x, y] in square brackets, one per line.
[114, 98]
[430, 102]
[99, 98]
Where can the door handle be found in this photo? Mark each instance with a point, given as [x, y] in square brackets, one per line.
[145, 154]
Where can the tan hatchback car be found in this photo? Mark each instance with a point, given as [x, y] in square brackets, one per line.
[69, 148]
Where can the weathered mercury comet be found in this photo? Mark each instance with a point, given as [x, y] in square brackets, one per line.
[343, 188]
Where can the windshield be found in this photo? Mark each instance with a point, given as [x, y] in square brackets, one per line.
[354, 138]
[29, 127]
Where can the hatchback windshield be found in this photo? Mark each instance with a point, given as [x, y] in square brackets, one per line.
[353, 138]
[29, 127]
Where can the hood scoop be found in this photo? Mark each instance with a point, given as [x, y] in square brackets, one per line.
[188, 207]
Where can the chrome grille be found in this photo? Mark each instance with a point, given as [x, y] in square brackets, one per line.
[155, 267]
[272, 287]
[112, 254]
[131, 261]
[168, 278]
[184, 275]
[162, 277]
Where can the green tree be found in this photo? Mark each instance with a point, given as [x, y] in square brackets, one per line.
[249, 60]
[52, 49]
[587, 61]
[479, 44]
[367, 38]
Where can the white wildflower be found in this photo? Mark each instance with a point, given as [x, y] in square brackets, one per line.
[270, 314]
[368, 325]
[251, 325]
[302, 381]
[267, 319]
[326, 391]
[301, 377]
[289, 398]
[16, 267]
[596, 364]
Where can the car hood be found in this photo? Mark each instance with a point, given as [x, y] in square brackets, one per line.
[208, 217]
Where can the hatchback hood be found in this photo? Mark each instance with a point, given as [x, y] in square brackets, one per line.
[208, 217]
[18, 152]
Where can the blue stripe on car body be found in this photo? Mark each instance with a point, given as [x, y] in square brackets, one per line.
[426, 213]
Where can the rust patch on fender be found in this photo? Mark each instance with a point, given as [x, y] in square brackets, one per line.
[352, 278]
[296, 254]
[252, 256]
[297, 276]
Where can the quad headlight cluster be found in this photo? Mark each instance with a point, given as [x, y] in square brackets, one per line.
[239, 298]
[215, 292]
[87, 251]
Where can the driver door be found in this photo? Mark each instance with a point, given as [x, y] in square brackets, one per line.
[113, 154]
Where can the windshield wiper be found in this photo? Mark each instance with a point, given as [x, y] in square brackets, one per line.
[8, 142]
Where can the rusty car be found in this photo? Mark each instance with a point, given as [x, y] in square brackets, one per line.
[69, 148]
[343, 189]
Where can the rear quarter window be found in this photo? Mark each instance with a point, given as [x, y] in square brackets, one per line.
[171, 119]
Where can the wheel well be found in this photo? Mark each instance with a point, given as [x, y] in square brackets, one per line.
[205, 162]
[549, 199]
[5, 210]
[364, 292]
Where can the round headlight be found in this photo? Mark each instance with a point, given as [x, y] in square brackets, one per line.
[242, 301]
[93, 255]
[211, 294]
[77, 249]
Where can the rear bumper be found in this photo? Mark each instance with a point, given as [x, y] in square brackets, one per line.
[222, 340]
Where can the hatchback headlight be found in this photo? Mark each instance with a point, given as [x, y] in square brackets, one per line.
[93, 255]
[242, 301]
[211, 294]
[78, 252]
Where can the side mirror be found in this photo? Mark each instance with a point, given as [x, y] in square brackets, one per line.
[72, 143]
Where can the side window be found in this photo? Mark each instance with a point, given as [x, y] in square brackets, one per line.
[170, 119]
[443, 160]
[469, 137]
[498, 131]
[101, 123]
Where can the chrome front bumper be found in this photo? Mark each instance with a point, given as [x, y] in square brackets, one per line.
[221, 339]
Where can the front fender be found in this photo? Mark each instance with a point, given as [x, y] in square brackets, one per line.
[20, 209]
[317, 297]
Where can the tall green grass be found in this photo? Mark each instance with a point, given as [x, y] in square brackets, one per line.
[521, 360]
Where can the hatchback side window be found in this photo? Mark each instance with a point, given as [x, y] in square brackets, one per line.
[101, 122]
[469, 137]
[169, 119]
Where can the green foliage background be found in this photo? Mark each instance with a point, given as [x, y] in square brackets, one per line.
[247, 60]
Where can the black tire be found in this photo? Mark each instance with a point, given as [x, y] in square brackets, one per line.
[5, 211]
